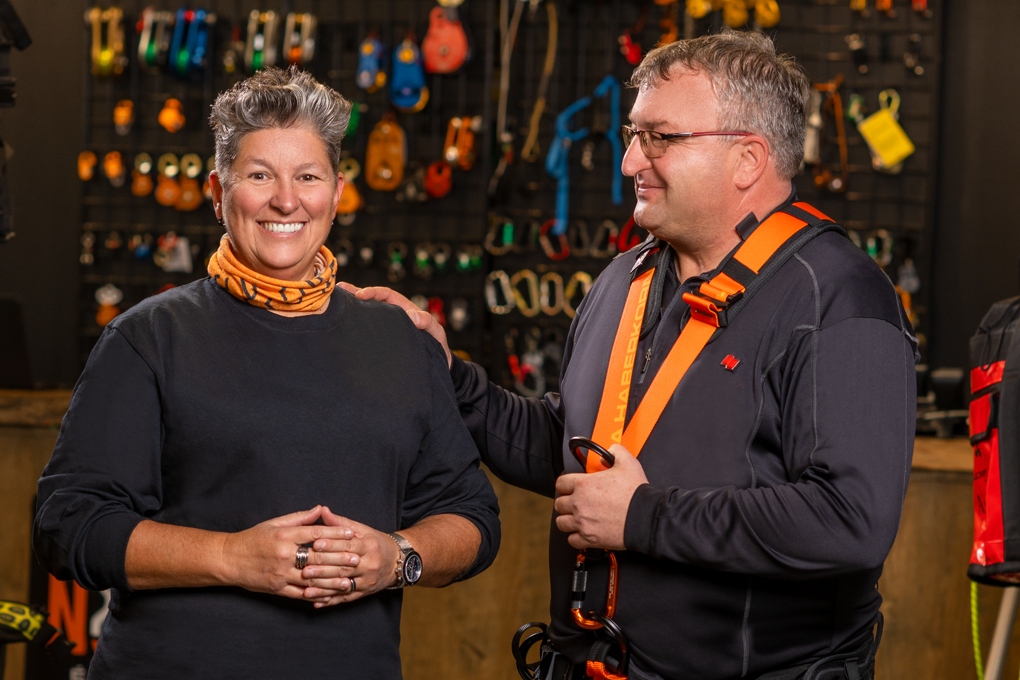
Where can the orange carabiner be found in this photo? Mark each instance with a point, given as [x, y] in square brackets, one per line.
[580, 586]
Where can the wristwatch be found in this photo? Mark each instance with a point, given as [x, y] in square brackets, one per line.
[408, 565]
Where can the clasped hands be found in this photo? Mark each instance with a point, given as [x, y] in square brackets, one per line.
[347, 560]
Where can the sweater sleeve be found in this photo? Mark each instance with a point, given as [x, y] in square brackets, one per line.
[104, 475]
[848, 399]
[520, 438]
[445, 478]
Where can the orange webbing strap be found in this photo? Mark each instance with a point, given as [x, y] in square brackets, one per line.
[616, 392]
[598, 670]
[713, 297]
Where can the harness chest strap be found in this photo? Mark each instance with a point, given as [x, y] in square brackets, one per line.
[708, 314]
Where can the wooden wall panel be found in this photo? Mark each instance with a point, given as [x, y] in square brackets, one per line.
[464, 631]
[23, 455]
[926, 590]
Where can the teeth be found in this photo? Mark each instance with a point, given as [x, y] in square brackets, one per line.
[282, 228]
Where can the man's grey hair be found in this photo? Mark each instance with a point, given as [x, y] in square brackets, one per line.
[274, 98]
[758, 90]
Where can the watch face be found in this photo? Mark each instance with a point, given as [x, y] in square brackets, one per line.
[412, 568]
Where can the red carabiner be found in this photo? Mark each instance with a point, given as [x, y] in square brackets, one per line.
[543, 239]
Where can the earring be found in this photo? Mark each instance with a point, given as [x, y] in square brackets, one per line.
[220, 221]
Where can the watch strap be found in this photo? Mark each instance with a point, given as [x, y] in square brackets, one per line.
[406, 549]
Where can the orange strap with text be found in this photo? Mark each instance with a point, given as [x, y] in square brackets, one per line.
[713, 297]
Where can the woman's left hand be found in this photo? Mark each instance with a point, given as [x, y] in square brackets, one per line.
[349, 569]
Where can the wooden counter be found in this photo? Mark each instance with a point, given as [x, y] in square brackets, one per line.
[464, 632]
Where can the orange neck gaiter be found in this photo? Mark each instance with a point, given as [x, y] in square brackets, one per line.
[269, 293]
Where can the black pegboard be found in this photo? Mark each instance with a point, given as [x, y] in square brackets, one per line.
[812, 30]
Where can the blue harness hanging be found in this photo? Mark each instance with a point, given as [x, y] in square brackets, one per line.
[556, 163]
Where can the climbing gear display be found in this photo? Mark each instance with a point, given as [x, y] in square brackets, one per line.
[441, 177]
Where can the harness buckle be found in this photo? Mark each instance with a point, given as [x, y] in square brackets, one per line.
[707, 310]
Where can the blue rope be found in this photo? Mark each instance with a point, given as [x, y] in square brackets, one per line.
[557, 162]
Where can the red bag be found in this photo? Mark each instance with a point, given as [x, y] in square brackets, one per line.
[995, 436]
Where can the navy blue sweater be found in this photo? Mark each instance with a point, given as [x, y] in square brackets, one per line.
[198, 410]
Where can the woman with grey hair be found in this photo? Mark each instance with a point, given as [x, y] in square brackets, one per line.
[239, 452]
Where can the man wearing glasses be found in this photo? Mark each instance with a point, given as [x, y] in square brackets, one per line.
[747, 538]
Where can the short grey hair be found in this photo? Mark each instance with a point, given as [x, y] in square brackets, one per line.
[274, 98]
[758, 90]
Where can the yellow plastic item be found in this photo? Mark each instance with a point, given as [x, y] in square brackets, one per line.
[886, 137]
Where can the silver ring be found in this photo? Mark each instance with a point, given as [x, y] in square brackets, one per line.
[301, 559]
[354, 586]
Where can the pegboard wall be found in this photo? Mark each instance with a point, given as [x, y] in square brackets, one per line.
[465, 249]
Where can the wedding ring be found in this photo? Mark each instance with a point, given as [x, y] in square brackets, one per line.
[354, 586]
[301, 558]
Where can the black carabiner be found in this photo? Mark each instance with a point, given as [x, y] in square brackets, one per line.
[577, 443]
[520, 649]
[613, 629]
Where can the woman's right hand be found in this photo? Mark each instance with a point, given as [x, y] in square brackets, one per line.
[422, 320]
[263, 558]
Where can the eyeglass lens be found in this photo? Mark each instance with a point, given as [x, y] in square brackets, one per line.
[652, 145]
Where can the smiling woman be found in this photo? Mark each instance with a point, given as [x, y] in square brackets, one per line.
[277, 183]
[240, 451]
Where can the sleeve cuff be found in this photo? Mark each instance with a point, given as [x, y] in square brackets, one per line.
[104, 551]
[641, 517]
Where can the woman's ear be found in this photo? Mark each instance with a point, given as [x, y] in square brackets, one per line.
[339, 190]
[217, 194]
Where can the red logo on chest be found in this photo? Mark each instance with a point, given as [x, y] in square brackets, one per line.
[730, 362]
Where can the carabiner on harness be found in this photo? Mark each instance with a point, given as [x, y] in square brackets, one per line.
[520, 648]
[602, 663]
[577, 443]
[593, 620]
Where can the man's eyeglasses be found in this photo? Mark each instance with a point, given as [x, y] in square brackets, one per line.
[654, 144]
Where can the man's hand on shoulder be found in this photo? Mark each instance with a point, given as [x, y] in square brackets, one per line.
[592, 508]
[422, 320]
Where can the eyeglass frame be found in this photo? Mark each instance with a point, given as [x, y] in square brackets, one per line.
[666, 136]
